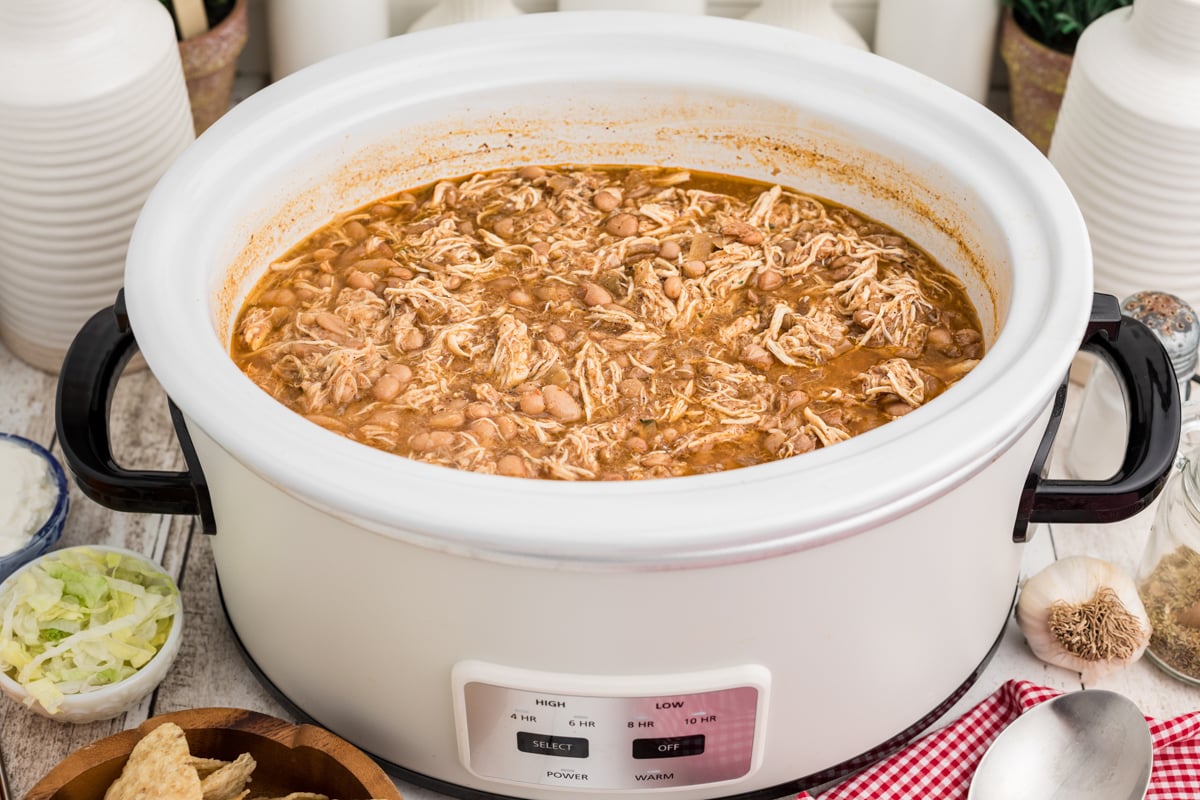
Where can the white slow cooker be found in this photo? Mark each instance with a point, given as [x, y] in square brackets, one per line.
[749, 632]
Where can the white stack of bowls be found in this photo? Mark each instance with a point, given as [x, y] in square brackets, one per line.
[1127, 142]
[93, 109]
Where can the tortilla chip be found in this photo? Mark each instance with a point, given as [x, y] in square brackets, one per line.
[206, 766]
[300, 796]
[230, 780]
[159, 768]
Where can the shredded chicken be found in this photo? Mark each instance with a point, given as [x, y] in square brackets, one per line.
[589, 323]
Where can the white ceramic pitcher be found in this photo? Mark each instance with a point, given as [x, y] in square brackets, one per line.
[93, 109]
[1127, 143]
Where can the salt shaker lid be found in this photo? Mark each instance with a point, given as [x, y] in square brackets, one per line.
[1174, 323]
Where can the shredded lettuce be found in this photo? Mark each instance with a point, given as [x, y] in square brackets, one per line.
[80, 619]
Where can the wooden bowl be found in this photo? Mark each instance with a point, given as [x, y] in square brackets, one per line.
[291, 758]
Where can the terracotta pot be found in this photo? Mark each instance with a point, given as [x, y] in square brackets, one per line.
[1037, 77]
[209, 64]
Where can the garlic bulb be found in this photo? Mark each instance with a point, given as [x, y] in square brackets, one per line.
[1084, 614]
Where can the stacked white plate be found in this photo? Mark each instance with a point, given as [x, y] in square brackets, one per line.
[1127, 142]
[93, 109]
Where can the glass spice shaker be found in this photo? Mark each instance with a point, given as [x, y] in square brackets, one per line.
[1097, 443]
[1168, 577]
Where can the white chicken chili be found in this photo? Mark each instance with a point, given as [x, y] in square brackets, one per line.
[587, 322]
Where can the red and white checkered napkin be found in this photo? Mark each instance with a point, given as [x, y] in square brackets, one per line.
[940, 766]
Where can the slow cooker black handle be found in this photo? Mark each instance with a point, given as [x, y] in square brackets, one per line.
[1146, 376]
[90, 370]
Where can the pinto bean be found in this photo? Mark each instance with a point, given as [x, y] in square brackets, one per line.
[939, 338]
[769, 280]
[428, 442]
[277, 298]
[531, 173]
[484, 430]
[559, 183]
[756, 356]
[556, 333]
[965, 336]
[803, 443]
[447, 421]
[552, 291]
[412, 339]
[503, 285]
[669, 250]
[794, 399]
[356, 230]
[694, 268]
[360, 280]
[401, 372]
[636, 444]
[386, 388]
[332, 323]
[375, 264]
[630, 387]
[520, 297]
[606, 200]
[673, 287]
[532, 403]
[833, 416]
[596, 295]
[479, 410]
[507, 426]
[657, 460]
[743, 231]
[561, 405]
[622, 225]
[503, 227]
[511, 465]
[897, 408]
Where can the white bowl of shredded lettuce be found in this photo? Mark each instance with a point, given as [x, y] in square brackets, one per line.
[86, 632]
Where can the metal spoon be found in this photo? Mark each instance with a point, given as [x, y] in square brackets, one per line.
[1087, 745]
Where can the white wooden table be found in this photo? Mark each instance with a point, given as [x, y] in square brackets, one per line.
[210, 671]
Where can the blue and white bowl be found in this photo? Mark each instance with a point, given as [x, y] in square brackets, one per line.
[51, 531]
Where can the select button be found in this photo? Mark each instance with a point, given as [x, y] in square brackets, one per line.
[670, 747]
[543, 744]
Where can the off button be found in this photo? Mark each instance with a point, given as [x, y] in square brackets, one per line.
[543, 744]
[670, 747]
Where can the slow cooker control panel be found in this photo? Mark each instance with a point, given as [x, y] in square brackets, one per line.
[609, 732]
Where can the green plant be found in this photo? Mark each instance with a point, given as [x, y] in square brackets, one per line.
[214, 10]
[1058, 23]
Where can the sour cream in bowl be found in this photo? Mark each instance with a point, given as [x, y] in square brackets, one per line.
[86, 632]
[33, 501]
